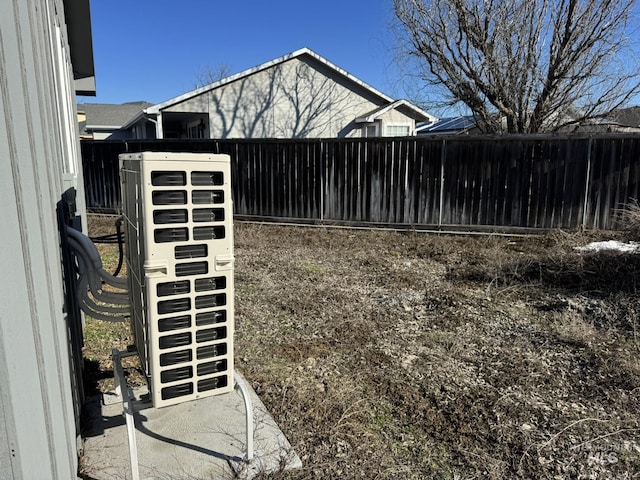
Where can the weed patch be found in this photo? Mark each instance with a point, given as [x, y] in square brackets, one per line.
[404, 355]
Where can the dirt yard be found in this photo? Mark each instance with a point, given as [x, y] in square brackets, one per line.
[386, 355]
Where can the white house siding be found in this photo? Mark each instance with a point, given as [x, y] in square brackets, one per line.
[396, 118]
[38, 161]
[299, 98]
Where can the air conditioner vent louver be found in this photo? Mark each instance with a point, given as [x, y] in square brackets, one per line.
[175, 391]
[208, 233]
[173, 288]
[208, 214]
[214, 283]
[192, 268]
[210, 318]
[209, 301]
[162, 217]
[201, 179]
[211, 351]
[179, 234]
[190, 251]
[174, 358]
[167, 235]
[210, 368]
[211, 334]
[212, 383]
[174, 323]
[207, 197]
[173, 306]
[176, 374]
[169, 197]
[177, 340]
[169, 178]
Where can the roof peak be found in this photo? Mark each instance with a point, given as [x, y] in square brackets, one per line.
[263, 66]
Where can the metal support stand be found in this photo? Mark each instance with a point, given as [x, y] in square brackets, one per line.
[248, 409]
[123, 391]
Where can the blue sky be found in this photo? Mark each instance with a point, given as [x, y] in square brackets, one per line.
[154, 50]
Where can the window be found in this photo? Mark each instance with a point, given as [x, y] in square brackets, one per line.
[397, 130]
[370, 131]
[196, 129]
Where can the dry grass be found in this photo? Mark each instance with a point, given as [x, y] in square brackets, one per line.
[629, 218]
[386, 355]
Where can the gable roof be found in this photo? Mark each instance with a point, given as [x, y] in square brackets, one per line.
[401, 105]
[246, 73]
[110, 116]
[387, 100]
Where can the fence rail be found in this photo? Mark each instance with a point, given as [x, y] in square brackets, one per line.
[501, 182]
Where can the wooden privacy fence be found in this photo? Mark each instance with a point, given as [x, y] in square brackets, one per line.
[502, 182]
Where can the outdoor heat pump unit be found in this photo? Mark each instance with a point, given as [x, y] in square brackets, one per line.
[179, 250]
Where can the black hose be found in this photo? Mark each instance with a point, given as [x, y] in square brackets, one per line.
[112, 238]
[120, 246]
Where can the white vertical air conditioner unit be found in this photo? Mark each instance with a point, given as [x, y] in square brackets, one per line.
[179, 249]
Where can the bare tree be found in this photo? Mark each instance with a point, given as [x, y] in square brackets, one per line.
[209, 74]
[523, 66]
[311, 99]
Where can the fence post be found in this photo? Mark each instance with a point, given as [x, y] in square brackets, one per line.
[586, 185]
[443, 158]
[322, 179]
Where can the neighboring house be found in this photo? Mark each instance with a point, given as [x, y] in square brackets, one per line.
[299, 95]
[104, 121]
[627, 117]
[624, 120]
[46, 59]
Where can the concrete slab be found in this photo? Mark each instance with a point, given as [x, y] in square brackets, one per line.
[200, 439]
